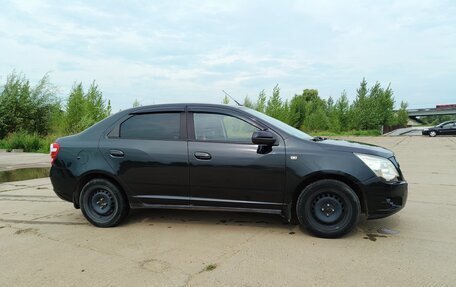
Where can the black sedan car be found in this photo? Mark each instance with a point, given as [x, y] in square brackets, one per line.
[218, 157]
[445, 128]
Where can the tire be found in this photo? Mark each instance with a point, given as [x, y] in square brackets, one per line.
[102, 203]
[432, 134]
[328, 208]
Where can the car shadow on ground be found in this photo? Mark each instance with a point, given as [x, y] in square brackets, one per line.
[366, 228]
[168, 216]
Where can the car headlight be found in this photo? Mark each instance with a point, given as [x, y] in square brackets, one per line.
[381, 166]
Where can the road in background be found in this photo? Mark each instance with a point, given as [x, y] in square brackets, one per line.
[411, 131]
[17, 160]
[44, 241]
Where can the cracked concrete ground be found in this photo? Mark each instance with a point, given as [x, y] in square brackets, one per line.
[45, 242]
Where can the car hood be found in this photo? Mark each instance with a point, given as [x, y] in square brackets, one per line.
[351, 146]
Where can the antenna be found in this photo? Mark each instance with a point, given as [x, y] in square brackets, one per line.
[231, 98]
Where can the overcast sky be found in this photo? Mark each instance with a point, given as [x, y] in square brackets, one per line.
[188, 51]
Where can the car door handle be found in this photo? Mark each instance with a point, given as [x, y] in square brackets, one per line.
[116, 153]
[202, 155]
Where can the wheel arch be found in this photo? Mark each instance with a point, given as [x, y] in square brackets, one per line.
[335, 175]
[88, 176]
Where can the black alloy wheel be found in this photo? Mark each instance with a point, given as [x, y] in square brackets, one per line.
[328, 208]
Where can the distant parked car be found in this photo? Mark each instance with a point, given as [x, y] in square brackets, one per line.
[445, 128]
[217, 157]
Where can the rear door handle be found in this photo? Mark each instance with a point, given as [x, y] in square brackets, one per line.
[116, 153]
[202, 155]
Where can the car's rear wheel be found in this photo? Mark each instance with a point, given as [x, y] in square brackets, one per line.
[102, 203]
[432, 133]
[328, 208]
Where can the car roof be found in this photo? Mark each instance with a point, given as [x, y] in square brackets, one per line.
[444, 123]
[178, 106]
[94, 130]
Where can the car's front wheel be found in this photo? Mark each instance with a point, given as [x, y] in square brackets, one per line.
[328, 208]
[432, 133]
[102, 203]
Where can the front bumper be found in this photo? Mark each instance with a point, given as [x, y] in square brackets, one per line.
[384, 198]
[425, 132]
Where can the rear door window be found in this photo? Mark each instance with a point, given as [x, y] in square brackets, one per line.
[156, 126]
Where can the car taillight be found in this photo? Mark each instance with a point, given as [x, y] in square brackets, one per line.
[54, 150]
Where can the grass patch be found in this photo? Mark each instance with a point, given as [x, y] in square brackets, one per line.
[210, 267]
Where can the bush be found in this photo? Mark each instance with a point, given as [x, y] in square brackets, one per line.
[25, 141]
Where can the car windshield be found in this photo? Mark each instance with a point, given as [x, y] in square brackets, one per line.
[281, 125]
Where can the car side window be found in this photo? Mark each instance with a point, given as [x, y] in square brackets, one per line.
[156, 126]
[448, 126]
[222, 128]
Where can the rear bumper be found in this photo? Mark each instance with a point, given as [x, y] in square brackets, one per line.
[63, 182]
[384, 198]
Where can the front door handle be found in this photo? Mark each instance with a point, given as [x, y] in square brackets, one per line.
[116, 153]
[202, 155]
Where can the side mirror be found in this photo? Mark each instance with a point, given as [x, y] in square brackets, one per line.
[263, 138]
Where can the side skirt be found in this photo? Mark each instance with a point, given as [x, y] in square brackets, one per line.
[208, 208]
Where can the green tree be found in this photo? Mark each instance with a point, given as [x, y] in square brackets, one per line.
[310, 95]
[360, 108]
[301, 106]
[372, 107]
[27, 109]
[384, 106]
[96, 108]
[45, 105]
[333, 119]
[84, 109]
[330, 104]
[402, 115]
[248, 103]
[261, 102]
[317, 119]
[373, 119]
[381, 104]
[136, 104]
[75, 110]
[285, 113]
[226, 100]
[342, 110]
[274, 107]
[297, 111]
[315, 116]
